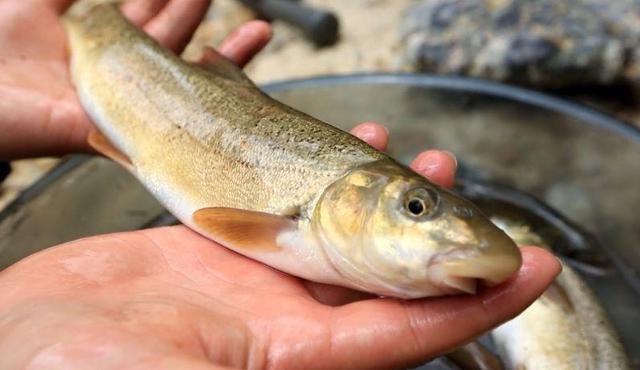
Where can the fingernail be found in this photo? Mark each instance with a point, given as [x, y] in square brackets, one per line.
[453, 156]
[426, 162]
[366, 135]
[365, 131]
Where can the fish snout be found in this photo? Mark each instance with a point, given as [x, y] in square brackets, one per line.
[492, 262]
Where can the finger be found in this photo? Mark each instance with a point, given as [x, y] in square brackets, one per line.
[246, 41]
[142, 11]
[176, 22]
[437, 166]
[387, 333]
[184, 362]
[373, 134]
[60, 5]
[332, 295]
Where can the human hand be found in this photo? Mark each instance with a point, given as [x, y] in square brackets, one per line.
[169, 298]
[39, 111]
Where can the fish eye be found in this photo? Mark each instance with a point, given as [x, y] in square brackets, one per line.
[420, 202]
[416, 206]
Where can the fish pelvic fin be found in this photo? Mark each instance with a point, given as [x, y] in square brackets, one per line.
[243, 230]
[216, 63]
[103, 145]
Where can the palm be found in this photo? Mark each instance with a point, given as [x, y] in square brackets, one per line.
[170, 295]
[175, 287]
[34, 69]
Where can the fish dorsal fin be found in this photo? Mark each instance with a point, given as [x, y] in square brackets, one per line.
[215, 62]
[103, 146]
[241, 229]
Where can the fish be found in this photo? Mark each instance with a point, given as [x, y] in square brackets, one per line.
[580, 248]
[565, 329]
[474, 356]
[270, 182]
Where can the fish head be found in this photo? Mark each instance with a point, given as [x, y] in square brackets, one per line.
[392, 232]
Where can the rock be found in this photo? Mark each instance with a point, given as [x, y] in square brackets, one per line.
[544, 43]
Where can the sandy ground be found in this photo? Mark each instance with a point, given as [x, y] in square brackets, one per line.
[368, 40]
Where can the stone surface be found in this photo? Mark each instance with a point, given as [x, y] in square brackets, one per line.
[544, 43]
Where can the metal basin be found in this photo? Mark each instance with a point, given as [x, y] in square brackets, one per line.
[584, 163]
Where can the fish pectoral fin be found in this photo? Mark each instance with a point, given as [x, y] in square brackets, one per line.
[557, 295]
[474, 356]
[103, 146]
[215, 62]
[242, 229]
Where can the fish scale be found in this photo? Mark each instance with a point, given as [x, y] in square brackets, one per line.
[268, 181]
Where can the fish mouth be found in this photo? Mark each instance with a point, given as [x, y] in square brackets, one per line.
[464, 275]
[451, 284]
[460, 272]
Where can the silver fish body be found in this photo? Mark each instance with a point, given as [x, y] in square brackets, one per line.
[565, 329]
